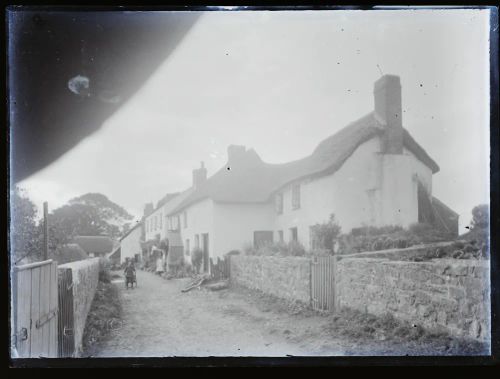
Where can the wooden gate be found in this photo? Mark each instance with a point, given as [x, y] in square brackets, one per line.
[219, 270]
[35, 309]
[66, 317]
[323, 283]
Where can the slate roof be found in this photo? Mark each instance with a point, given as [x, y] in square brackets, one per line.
[250, 180]
[95, 244]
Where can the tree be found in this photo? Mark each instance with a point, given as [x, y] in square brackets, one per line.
[480, 216]
[90, 214]
[25, 238]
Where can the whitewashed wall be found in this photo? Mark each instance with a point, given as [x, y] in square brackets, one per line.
[130, 245]
[200, 219]
[235, 225]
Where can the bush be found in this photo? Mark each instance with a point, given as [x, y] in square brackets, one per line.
[480, 216]
[295, 249]
[104, 270]
[197, 259]
[327, 233]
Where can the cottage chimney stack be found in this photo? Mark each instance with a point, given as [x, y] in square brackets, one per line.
[199, 175]
[388, 111]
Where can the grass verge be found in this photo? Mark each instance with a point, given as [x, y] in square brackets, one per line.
[388, 335]
[104, 316]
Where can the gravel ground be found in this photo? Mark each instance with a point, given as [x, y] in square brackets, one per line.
[159, 320]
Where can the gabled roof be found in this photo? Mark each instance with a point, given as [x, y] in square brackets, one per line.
[95, 244]
[250, 180]
[137, 225]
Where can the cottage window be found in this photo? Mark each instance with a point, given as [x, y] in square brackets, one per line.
[279, 203]
[187, 249]
[296, 196]
[294, 235]
[185, 219]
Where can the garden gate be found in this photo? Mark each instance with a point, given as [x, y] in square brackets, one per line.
[323, 283]
[35, 308]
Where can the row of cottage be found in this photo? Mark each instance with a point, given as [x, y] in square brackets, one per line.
[370, 173]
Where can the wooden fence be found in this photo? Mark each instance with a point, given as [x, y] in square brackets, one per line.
[35, 310]
[219, 270]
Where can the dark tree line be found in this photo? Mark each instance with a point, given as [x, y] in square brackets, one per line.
[89, 214]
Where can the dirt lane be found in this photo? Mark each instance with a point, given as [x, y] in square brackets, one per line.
[160, 321]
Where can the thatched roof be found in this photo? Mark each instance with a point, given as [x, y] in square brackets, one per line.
[250, 180]
[95, 244]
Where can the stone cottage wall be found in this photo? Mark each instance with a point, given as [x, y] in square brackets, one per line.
[85, 275]
[284, 277]
[443, 293]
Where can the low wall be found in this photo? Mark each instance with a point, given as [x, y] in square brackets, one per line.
[85, 275]
[287, 278]
[443, 293]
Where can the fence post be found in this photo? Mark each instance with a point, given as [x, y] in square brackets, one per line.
[335, 282]
[45, 231]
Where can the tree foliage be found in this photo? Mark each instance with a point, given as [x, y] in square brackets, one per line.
[90, 214]
[25, 237]
[480, 216]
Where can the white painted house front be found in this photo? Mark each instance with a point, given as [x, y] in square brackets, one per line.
[130, 244]
[370, 173]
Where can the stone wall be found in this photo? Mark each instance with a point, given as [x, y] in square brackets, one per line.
[287, 278]
[85, 275]
[445, 294]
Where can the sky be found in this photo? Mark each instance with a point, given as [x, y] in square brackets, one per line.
[281, 82]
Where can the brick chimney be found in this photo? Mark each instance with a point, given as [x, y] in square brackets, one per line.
[199, 175]
[388, 111]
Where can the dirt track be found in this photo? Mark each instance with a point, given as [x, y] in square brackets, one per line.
[159, 320]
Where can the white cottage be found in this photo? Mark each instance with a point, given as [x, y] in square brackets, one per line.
[130, 244]
[370, 173]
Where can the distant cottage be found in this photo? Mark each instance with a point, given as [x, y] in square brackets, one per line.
[370, 173]
[95, 246]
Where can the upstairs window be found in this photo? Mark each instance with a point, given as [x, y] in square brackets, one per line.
[279, 203]
[296, 196]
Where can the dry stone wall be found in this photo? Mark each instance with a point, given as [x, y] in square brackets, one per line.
[448, 294]
[284, 277]
[85, 275]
